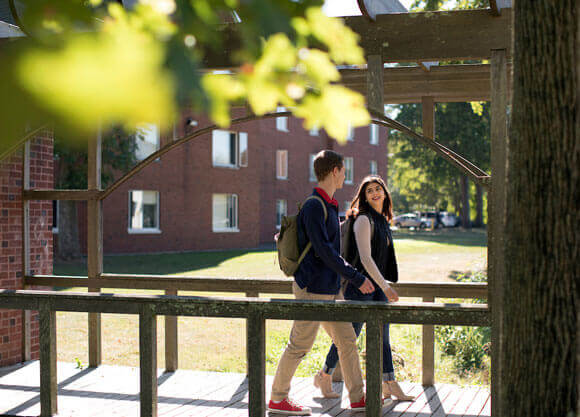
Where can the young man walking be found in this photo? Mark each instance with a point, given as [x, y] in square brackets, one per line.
[318, 278]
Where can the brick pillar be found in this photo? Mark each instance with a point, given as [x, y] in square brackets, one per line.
[41, 177]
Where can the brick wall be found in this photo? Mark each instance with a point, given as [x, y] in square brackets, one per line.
[186, 179]
[41, 176]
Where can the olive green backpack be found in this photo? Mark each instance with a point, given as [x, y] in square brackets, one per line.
[289, 255]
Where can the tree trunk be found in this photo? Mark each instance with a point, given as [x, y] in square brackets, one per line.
[68, 231]
[478, 206]
[540, 304]
[465, 220]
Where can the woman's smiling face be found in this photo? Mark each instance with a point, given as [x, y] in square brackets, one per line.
[375, 195]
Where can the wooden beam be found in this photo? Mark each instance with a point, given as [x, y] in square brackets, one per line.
[256, 355]
[406, 37]
[428, 117]
[148, 361]
[246, 285]
[94, 245]
[497, 219]
[374, 367]
[428, 358]
[375, 83]
[449, 83]
[171, 340]
[433, 36]
[78, 195]
[48, 385]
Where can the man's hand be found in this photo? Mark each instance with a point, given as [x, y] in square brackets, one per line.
[391, 294]
[367, 287]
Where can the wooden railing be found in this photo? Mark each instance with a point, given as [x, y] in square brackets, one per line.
[255, 310]
[253, 287]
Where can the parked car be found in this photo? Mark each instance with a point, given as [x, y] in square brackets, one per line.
[449, 219]
[433, 217]
[410, 220]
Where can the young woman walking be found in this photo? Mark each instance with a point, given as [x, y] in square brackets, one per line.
[372, 207]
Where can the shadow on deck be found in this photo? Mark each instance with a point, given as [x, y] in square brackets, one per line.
[114, 391]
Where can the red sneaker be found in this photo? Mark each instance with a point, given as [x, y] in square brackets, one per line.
[289, 408]
[361, 405]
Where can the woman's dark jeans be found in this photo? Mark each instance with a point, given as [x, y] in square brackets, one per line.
[352, 293]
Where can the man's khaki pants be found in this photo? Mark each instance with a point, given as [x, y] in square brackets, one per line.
[301, 340]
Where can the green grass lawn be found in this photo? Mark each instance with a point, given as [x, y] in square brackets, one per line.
[218, 344]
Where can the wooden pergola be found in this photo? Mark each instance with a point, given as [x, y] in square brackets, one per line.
[402, 37]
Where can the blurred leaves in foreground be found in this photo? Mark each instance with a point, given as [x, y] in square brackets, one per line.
[90, 62]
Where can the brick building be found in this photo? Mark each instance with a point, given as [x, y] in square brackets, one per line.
[14, 324]
[229, 188]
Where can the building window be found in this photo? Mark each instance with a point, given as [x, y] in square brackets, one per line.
[349, 169]
[281, 122]
[314, 131]
[312, 173]
[143, 211]
[229, 149]
[374, 134]
[281, 211]
[148, 140]
[282, 165]
[55, 216]
[373, 168]
[350, 135]
[225, 213]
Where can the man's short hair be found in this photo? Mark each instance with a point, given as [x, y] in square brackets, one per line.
[325, 162]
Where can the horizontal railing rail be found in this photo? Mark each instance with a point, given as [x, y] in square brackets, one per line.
[255, 310]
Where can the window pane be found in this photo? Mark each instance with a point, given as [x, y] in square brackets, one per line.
[220, 218]
[349, 168]
[312, 174]
[147, 140]
[144, 209]
[373, 167]
[281, 164]
[281, 122]
[243, 149]
[280, 211]
[233, 152]
[350, 135]
[374, 134]
[221, 148]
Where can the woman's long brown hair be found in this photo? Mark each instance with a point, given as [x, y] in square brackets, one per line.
[360, 202]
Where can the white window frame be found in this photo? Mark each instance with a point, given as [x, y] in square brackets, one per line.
[350, 135]
[147, 130]
[143, 230]
[374, 164]
[281, 211]
[312, 174]
[374, 134]
[235, 215]
[315, 131]
[240, 142]
[349, 170]
[282, 164]
[282, 122]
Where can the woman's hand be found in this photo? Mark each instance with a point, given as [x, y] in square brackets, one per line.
[351, 212]
[391, 294]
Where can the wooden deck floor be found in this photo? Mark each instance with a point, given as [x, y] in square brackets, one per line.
[114, 391]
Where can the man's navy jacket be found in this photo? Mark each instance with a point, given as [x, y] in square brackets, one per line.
[321, 269]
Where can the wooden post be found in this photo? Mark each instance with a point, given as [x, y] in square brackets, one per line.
[374, 368]
[171, 339]
[48, 386]
[428, 121]
[94, 245]
[148, 361]
[256, 353]
[428, 360]
[26, 314]
[375, 90]
[497, 218]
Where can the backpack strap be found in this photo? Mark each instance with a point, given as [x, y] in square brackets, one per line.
[309, 244]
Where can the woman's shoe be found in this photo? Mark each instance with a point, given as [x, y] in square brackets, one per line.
[393, 388]
[324, 382]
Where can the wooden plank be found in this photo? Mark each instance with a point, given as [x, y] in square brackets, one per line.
[467, 396]
[26, 314]
[410, 313]
[247, 285]
[171, 339]
[148, 361]
[78, 195]
[256, 353]
[375, 83]
[497, 216]
[428, 361]
[428, 116]
[477, 403]
[94, 245]
[374, 367]
[48, 386]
